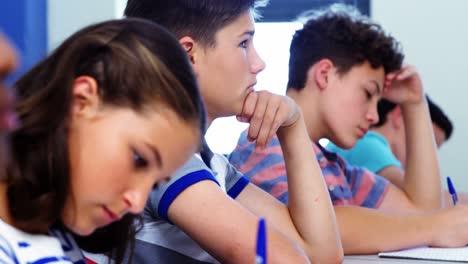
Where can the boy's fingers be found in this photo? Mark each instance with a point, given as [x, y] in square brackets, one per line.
[257, 115]
[268, 121]
[248, 108]
[406, 73]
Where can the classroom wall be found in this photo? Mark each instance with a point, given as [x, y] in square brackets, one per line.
[434, 35]
[67, 16]
[24, 22]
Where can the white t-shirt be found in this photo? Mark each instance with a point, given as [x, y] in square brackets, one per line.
[17, 246]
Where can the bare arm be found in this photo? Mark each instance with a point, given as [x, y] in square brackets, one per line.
[396, 176]
[422, 166]
[309, 218]
[369, 231]
[225, 229]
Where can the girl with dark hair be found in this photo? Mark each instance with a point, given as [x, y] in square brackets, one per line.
[113, 111]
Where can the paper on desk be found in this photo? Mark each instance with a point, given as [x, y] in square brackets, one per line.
[446, 254]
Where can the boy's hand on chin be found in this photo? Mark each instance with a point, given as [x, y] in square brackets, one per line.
[267, 112]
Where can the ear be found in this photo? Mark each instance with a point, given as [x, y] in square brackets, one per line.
[189, 46]
[396, 118]
[321, 73]
[85, 97]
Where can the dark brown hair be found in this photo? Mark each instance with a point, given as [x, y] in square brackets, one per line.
[340, 34]
[200, 19]
[137, 65]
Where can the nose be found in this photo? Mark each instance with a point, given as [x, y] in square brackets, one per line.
[257, 64]
[135, 200]
[372, 114]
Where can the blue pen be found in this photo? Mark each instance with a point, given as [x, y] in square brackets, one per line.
[261, 257]
[452, 191]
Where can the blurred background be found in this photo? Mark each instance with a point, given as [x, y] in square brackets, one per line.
[434, 36]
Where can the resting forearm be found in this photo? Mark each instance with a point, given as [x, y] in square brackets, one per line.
[366, 231]
[422, 166]
[309, 203]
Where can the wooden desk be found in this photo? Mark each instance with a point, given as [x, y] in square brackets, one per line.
[368, 259]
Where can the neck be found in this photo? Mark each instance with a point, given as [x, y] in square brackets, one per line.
[316, 128]
[4, 208]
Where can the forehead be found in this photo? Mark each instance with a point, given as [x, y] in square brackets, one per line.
[365, 73]
[244, 23]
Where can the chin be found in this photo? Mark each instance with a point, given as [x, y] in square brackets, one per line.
[82, 230]
[345, 143]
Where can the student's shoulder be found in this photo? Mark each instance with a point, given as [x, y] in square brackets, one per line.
[163, 195]
[194, 164]
[193, 171]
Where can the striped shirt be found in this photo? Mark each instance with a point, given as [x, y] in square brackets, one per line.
[17, 247]
[347, 185]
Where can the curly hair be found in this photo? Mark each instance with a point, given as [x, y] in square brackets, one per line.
[340, 34]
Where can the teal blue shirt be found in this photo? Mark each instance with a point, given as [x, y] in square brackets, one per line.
[372, 152]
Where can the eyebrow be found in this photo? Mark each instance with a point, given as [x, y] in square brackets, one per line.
[156, 154]
[251, 33]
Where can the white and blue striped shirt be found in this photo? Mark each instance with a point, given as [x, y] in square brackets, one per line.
[18, 247]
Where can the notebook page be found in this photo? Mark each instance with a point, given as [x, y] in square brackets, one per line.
[446, 254]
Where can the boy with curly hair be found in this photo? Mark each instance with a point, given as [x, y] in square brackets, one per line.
[340, 65]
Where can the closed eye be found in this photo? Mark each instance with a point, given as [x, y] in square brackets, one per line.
[138, 161]
[368, 94]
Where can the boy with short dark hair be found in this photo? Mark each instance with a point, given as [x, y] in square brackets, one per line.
[340, 65]
[208, 212]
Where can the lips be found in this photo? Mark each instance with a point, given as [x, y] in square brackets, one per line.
[362, 131]
[110, 215]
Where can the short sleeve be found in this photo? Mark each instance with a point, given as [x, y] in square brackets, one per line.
[368, 189]
[265, 168]
[163, 195]
[234, 180]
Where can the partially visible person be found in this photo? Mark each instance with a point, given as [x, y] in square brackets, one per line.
[383, 149]
[111, 112]
[208, 212]
[442, 125]
[8, 63]
[340, 65]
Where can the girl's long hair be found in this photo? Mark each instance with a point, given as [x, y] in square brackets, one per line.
[137, 65]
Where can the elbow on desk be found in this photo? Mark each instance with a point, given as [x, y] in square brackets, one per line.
[333, 258]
